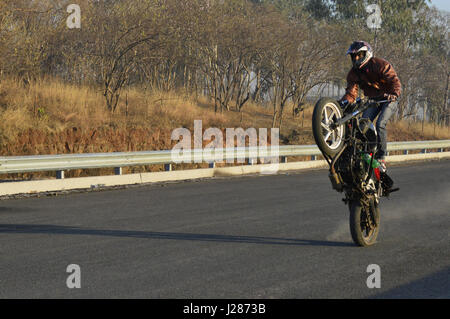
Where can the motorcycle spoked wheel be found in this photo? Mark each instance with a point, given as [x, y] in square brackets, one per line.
[364, 223]
[329, 141]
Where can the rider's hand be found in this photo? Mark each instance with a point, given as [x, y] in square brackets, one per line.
[390, 97]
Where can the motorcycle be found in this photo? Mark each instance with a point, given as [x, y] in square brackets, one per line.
[348, 143]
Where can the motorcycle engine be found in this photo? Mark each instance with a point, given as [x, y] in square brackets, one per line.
[343, 168]
[360, 169]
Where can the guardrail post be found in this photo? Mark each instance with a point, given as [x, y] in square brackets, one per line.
[58, 163]
[59, 174]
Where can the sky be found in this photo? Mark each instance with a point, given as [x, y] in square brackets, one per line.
[441, 4]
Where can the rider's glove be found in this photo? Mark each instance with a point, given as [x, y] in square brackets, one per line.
[390, 97]
[343, 103]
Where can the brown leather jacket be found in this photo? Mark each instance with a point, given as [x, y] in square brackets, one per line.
[376, 78]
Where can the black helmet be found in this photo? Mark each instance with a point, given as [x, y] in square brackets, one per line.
[363, 48]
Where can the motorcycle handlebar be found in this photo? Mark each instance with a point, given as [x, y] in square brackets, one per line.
[367, 103]
[377, 102]
[344, 103]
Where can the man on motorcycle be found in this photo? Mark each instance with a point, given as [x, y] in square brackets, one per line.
[378, 80]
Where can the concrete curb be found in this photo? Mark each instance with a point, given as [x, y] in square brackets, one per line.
[31, 187]
[417, 157]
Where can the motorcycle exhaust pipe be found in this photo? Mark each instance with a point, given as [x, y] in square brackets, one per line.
[335, 179]
[336, 182]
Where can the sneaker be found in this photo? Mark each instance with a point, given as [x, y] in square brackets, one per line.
[382, 165]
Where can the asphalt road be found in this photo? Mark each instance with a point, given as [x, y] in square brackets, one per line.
[283, 236]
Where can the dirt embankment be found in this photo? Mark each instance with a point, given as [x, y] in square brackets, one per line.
[50, 117]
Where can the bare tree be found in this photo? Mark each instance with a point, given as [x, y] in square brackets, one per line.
[115, 44]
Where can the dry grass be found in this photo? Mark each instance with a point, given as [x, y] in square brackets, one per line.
[407, 131]
[51, 117]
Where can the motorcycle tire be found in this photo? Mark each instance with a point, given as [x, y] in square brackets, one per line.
[330, 142]
[364, 231]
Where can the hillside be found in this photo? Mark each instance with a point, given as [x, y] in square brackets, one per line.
[50, 117]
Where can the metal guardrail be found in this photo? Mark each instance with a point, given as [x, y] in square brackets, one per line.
[60, 163]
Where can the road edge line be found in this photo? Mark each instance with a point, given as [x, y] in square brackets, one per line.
[95, 182]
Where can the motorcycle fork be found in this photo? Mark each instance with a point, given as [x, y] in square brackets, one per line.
[372, 212]
[369, 204]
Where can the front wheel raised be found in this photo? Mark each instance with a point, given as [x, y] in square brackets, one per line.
[329, 141]
[364, 223]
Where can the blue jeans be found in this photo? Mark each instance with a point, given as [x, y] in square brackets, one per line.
[385, 110]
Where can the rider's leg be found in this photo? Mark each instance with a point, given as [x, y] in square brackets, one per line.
[371, 113]
[387, 110]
